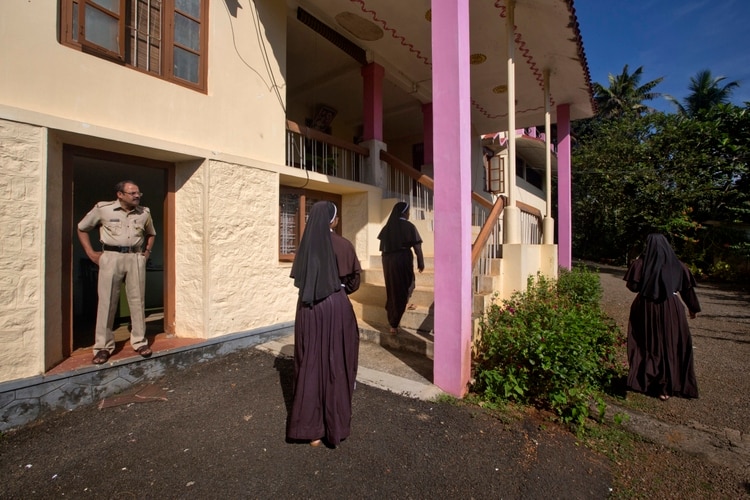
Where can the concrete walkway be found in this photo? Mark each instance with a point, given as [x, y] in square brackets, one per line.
[401, 372]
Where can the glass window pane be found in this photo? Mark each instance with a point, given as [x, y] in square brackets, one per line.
[102, 29]
[190, 7]
[186, 32]
[110, 5]
[186, 65]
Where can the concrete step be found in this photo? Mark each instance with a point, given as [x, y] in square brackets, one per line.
[375, 276]
[376, 261]
[372, 293]
[406, 339]
[416, 332]
[420, 319]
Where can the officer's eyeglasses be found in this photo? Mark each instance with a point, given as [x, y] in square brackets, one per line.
[134, 193]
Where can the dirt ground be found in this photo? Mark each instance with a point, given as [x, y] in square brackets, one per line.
[216, 430]
[721, 342]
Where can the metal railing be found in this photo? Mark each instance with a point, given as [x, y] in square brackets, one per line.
[318, 152]
[314, 151]
[409, 184]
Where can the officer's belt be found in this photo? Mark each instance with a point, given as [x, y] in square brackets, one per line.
[133, 249]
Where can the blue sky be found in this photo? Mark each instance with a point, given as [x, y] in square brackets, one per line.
[670, 38]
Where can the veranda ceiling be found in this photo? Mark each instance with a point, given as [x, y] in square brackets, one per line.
[397, 35]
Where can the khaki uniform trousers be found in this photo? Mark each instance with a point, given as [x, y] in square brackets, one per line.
[115, 267]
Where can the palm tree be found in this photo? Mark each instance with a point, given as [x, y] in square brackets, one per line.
[705, 93]
[625, 95]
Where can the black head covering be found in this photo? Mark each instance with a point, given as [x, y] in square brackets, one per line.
[662, 270]
[314, 270]
[390, 236]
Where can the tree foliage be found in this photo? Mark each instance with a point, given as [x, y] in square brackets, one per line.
[683, 174]
[625, 95]
[706, 92]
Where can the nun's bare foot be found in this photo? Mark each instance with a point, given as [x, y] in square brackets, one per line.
[664, 397]
[315, 443]
[393, 331]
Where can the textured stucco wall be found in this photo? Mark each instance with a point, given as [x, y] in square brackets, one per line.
[21, 251]
[354, 228]
[228, 273]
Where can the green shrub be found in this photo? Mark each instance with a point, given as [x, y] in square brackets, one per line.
[580, 285]
[550, 346]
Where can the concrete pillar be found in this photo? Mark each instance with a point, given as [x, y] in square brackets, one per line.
[428, 168]
[548, 226]
[375, 170]
[372, 99]
[511, 213]
[564, 203]
[452, 160]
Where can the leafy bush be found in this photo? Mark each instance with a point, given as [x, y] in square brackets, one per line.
[550, 346]
[580, 285]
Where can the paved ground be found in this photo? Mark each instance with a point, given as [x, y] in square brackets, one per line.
[216, 430]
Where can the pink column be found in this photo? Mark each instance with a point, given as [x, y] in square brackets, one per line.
[564, 204]
[372, 85]
[452, 161]
[427, 128]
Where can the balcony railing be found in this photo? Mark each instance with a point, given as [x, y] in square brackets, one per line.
[314, 151]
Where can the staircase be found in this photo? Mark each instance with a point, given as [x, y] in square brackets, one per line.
[416, 332]
[417, 328]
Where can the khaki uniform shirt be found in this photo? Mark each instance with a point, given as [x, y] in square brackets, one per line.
[118, 227]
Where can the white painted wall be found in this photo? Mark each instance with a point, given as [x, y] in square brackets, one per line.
[241, 114]
[228, 146]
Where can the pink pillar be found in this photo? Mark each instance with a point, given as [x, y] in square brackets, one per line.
[452, 163]
[427, 128]
[372, 75]
[564, 203]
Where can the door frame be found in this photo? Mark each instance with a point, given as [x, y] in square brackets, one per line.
[69, 238]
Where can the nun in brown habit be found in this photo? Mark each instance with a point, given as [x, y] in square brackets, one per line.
[326, 334]
[397, 238]
[660, 347]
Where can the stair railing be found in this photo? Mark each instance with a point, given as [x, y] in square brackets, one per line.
[406, 181]
[488, 243]
[409, 184]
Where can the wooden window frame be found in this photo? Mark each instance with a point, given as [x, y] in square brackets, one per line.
[72, 34]
[119, 17]
[301, 215]
[494, 168]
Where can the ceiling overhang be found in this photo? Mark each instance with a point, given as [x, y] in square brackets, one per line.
[396, 34]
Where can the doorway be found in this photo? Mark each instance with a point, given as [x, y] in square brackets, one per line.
[90, 176]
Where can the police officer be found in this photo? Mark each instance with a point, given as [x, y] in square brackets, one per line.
[127, 234]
